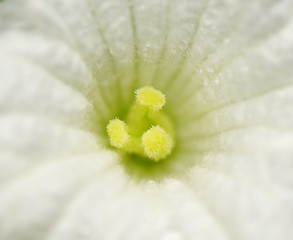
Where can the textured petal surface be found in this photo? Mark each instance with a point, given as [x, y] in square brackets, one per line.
[67, 67]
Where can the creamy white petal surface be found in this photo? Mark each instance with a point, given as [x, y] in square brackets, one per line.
[68, 67]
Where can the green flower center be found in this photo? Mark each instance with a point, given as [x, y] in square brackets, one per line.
[157, 133]
[156, 137]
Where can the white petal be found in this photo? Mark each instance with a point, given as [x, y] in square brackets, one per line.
[34, 201]
[249, 209]
[31, 88]
[230, 62]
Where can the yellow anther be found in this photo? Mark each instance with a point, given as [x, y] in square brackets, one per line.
[157, 143]
[117, 132]
[150, 98]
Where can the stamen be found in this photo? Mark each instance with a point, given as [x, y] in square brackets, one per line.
[117, 132]
[138, 135]
[150, 98]
[157, 143]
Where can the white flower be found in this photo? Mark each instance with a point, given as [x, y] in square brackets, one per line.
[68, 67]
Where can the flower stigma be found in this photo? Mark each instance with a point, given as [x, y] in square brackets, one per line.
[147, 131]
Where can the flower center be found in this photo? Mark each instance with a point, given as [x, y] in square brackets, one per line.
[147, 131]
